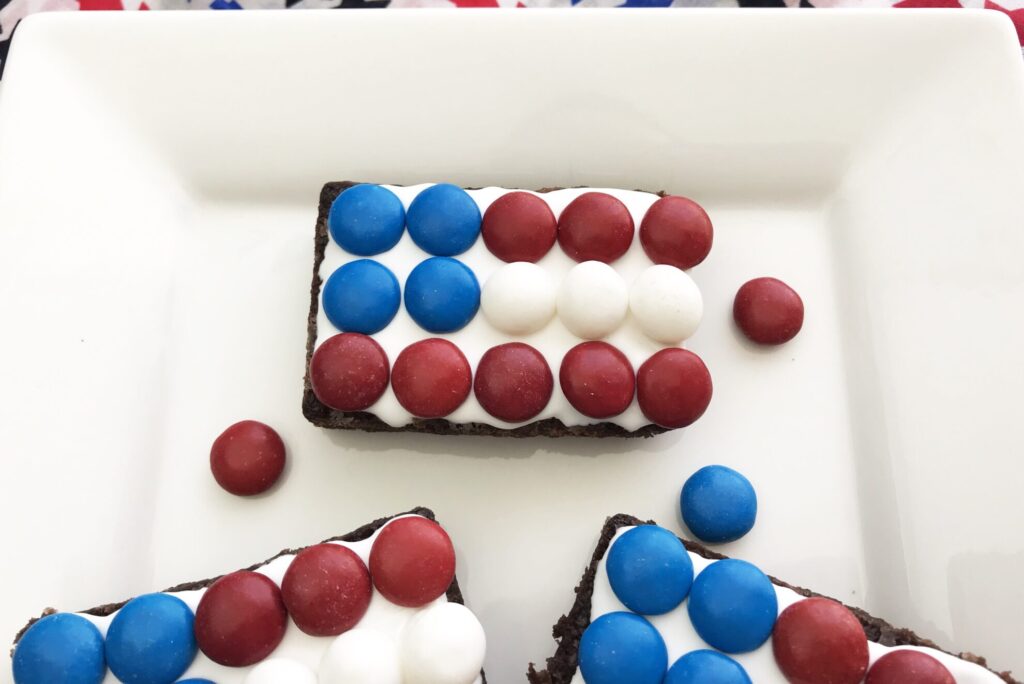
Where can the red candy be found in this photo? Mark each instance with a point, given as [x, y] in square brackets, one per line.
[412, 561]
[676, 231]
[768, 311]
[908, 667]
[247, 458]
[819, 641]
[519, 227]
[240, 619]
[326, 589]
[513, 382]
[595, 227]
[597, 379]
[673, 388]
[431, 378]
[349, 372]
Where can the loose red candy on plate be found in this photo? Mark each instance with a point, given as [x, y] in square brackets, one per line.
[768, 311]
[676, 231]
[673, 388]
[595, 227]
[519, 226]
[819, 641]
[240, 619]
[431, 378]
[326, 589]
[412, 561]
[349, 372]
[908, 667]
[513, 382]
[247, 458]
[597, 379]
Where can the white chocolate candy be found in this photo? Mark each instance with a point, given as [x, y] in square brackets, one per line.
[280, 671]
[519, 298]
[593, 300]
[443, 644]
[666, 303]
[361, 656]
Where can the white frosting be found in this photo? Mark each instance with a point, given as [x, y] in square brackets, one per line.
[666, 304]
[593, 300]
[443, 644]
[553, 340]
[361, 656]
[279, 671]
[518, 298]
[681, 638]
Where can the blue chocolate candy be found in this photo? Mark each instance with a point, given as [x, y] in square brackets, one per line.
[362, 296]
[649, 570]
[64, 648]
[442, 295]
[706, 667]
[733, 606]
[622, 647]
[366, 220]
[718, 504]
[444, 220]
[151, 640]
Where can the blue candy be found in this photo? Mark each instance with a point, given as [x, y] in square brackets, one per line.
[444, 220]
[649, 570]
[718, 504]
[366, 220]
[706, 667]
[151, 640]
[733, 606]
[622, 647]
[362, 296]
[195, 681]
[64, 648]
[442, 295]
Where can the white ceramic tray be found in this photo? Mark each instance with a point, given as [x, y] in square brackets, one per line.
[158, 186]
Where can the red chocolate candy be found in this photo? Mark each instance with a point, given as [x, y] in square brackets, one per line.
[908, 667]
[431, 378]
[326, 589]
[819, 641]
[513, 382]
[597, 379]
[240, 619]
[349, 372]
[676, 231]
[673, 388]
[768, 311]
[519, 227]
[595, 227]
[412, 561]
[247, 458]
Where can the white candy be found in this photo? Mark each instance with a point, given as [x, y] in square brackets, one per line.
[519, 298]
[443, 644]
[593, 300]
[666, 303]
[361, 656]
[280, 671]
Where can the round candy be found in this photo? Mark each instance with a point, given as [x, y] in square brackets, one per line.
[718, 504]
[518, 298]
[733, 606]
[151, 640]
[597, 379]
[349, 372]
[442, 295]
[431, 378]
[443, 644]
[706, 667]
[247, 458]
[519, 226]
[412, 561]
[361, 656]
[444, 220]
[366, 220]
[673, 388]
[908, 667]
[768, 311]
[595, 227]
[622, 647]
[819, 641]
[362, 296]
[513, 382]
[593, 300]
[62, 647]
[240, 619]
[280, 671]
[649, 570]
[666, 303]
[676, 231]
[326, 589]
